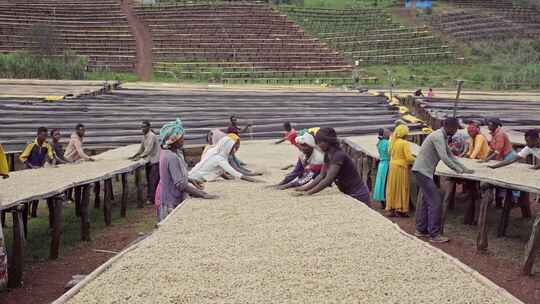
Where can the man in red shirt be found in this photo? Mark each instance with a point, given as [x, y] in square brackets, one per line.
[290, 134]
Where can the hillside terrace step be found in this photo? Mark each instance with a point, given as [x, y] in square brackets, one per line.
[399, 51]
[404, 35]
[409, 58]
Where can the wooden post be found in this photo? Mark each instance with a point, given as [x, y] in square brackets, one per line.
[35, 205]
[460, 86]
[16, 256]
[85, 205]
[107, 202]
[125, 191]
[531, 248]
[97, 194]
[50, 207]
[505, 214]
[471, 210]
[3, 218]
[78, 201]
[139, 186]
[12, 162]
[525, 204]
[56, 227]
[365, 168]
[25, 211]
[482, 239]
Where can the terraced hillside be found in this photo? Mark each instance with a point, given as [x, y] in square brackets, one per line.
[371, 36]
[237, 42]
[488, 20]
[96, 29]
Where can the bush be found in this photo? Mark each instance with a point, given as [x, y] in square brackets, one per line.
[26, 65]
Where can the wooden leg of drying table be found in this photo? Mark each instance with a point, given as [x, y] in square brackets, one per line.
[85, 206]
[505, 215]
[482, 239]
[107, 202]
[531, 248]
[16, 256]
[97, 194]
[139, 186]
[57, 206]
[125, 190]
[77, 199]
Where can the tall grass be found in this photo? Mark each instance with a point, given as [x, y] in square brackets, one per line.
[24, 64]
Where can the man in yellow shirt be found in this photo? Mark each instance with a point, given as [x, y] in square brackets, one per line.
[4, 167]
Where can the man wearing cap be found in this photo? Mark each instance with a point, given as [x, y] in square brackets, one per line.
[149, 151]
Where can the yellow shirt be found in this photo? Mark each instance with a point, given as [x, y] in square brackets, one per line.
[400, 153]
[478, 148]
[4, 167]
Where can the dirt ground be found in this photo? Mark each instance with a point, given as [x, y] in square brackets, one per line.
[501, 264]
[44, 281]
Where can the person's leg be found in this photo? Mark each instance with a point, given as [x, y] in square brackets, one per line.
[422, 212]
[434, 207]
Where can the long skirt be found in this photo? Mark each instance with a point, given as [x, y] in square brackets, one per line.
[398, 189]
[379, 193]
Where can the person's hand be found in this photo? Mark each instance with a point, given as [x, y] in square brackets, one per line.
[5, 176]
[198, 184]
[468, 171]
[298, 194]
[482, 161]
[91, 159]
[210, 196]
[256, 173]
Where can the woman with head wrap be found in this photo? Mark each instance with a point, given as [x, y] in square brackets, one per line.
[216, 161]
[174, 184]
[398, 185]
[379, 193]
[309, 163]
[338, 168]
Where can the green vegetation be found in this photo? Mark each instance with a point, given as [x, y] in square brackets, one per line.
[108, 75]
[28, 65]
[513, 64]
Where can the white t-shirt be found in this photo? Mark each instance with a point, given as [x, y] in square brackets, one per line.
[529, 151]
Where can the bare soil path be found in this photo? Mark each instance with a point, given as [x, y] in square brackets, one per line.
[143, 39]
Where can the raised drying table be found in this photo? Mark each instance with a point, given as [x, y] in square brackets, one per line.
[51, 183]
[363, 150]
[258, 245]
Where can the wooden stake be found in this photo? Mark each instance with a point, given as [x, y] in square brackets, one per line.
[97, 194]
[107, 202]
[78, 201]
[25, 211]
[531, 248]
[482, 239]
[139, 186]
[125, 191]
[449, 189]
[16, 257]
[470, 211]
[56, 228]
[3, 218]
[85, 206]
[505, 214]
[525, 204]
[35, 205]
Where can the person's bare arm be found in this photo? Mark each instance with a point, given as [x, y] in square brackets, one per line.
[241, 169]
[314, 182]
[491, 156]
[330, 177]
[280, 141]
[504, 163]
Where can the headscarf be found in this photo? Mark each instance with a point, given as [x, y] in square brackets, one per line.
[234, 137]
[171, 132]
[401, 131]
[473, 129]
[327, 135]
[316, 157]
[221, 150]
